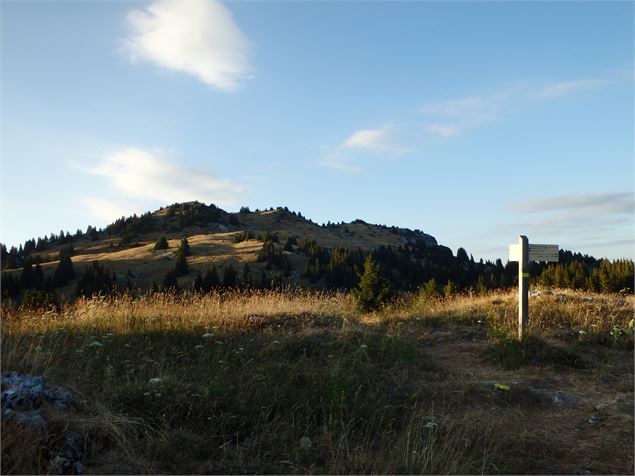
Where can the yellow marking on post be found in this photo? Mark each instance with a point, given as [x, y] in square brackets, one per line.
[525, 275]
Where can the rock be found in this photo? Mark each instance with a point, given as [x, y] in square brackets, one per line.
[25, 392]
[68, 459]
[581, 471]
[22, 396]
[561, 398]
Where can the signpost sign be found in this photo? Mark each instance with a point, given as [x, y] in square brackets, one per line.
[523, 252]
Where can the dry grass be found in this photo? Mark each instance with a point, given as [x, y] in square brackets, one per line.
[299, 382]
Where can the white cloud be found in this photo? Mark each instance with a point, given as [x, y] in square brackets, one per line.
[473, 108]
[579, 220]
[559, 89]
[105, 210]
[469, 112]
[443, 131]
[606, 203]
[368, 139]
[142, 174]
[465, 113]
[345, 157]
[341, 162]
[198, 37]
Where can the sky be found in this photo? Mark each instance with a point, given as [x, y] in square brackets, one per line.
[474, 122]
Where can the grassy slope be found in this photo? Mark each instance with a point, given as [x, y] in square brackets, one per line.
[210, 246]
[302, 383]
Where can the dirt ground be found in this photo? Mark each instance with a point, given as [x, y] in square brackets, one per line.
[556, 420]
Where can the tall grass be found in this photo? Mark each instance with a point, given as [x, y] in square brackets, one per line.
[268, 382]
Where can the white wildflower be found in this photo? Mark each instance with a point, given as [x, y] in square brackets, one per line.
[155, 380]
[305, 443]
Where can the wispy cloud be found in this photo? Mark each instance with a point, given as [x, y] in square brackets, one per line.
[378, 141]
[459, 115]
[578, 220]
[142, 174]
[199, 38]
[621, 202]
[564, 88]
[445, 120]
[375, 140]
[105, 210]
[443, 131]
[453, 117]
[342, 162]
[475, 108]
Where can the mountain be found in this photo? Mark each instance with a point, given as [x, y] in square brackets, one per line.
[283, 244]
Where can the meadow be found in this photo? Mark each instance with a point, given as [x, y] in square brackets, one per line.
[296, 382]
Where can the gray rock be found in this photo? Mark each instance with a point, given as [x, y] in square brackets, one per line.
[561, 398]
[23, 395]
[25, 392]
[581, 471]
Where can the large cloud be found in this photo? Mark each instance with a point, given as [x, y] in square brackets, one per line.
[142, 174]
[193, 37]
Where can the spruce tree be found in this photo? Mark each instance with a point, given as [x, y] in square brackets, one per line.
[181, 267]
[230, 277]
[210, 280]
[373, 290]
[64, 271]
[185, 246]
[449, 289]
[197, 285]
[247, 278]
[161, 244]
[170, 282]
[27, 278]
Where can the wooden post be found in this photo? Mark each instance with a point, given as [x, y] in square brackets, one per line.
[523, 252]
[523, 284]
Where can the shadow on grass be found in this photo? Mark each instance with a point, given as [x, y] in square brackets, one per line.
[279, 397]
[512, 354]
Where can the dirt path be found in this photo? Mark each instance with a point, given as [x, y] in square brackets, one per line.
[571, 421]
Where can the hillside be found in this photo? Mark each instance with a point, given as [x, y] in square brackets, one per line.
[265, 249]
[126, 247]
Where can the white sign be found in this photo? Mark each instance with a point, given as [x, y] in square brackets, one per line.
[514, 252]
[538, 252]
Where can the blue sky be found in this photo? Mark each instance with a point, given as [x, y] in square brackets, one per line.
[474, 122]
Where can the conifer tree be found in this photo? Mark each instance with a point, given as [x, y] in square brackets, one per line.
[210, 280]
[197, 285]
[185, 246]
[170, 282]
[27, 279]
[262, 281]
[64, 271]
[181, 267]
[373, 290]
[247, 278]
[449, 289]
[230, 277]
[161, 244]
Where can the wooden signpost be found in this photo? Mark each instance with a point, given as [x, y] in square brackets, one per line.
[523, 252]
